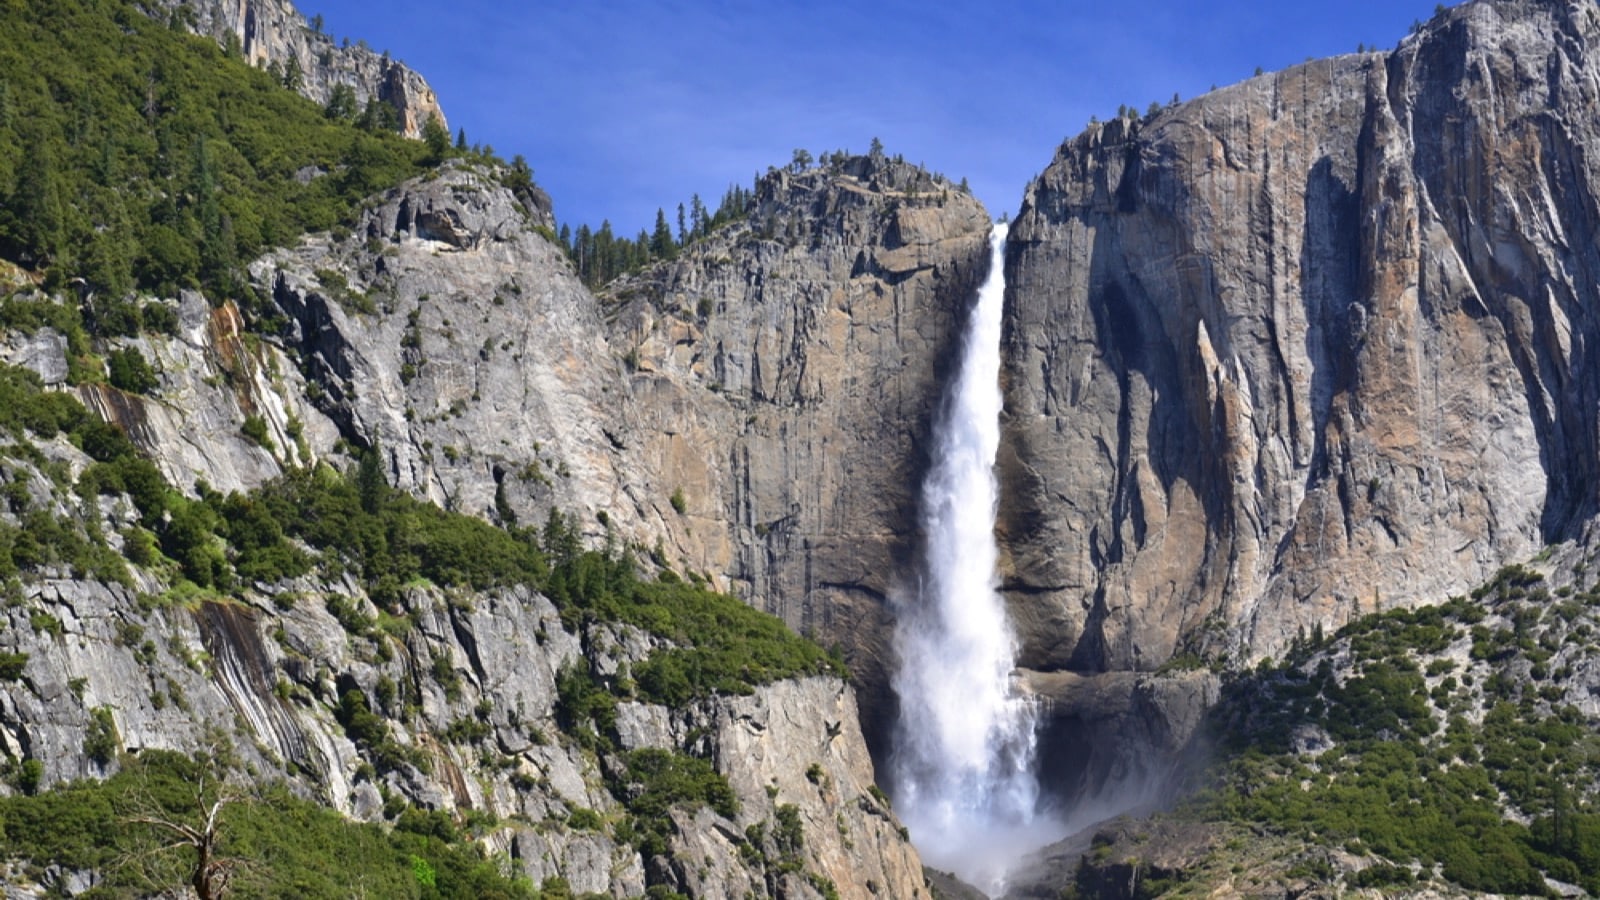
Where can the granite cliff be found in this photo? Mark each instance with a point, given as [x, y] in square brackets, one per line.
[445, 314]
[1308, 347]
[784, 374]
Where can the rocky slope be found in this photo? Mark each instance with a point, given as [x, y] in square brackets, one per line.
[1307, 347]
[784, 373]
[443, 315]
[1440, 751]
[448, 329]
[470, 705]
[275, 33]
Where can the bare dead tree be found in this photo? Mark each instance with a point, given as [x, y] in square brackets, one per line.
[199, 834]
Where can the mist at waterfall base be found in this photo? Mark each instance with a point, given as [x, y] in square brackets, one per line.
[962, 765]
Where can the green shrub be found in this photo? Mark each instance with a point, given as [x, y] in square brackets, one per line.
[30, 775]
[657, 780]
[100, 741]
[790, 836]
[255, 428]
[25, 406]
[584, 708]
[11, 665]
[131, 372]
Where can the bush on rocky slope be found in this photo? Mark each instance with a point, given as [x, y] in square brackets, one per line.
[318, 528]
[1446, 743]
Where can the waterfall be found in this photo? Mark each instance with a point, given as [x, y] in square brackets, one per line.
[962, 765]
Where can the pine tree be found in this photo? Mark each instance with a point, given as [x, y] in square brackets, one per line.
[697, 216]
[660, 242]
[461, 140]
[604, 252]
[633, 253]
[108, 259]
[583, 252]
[36, 204]
[371, 486]
[437, 139]
[519, 178]
[218, 258]
[378, 117]
[562, 542]
[341, 103]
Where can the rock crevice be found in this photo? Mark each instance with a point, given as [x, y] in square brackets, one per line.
[1307, 347]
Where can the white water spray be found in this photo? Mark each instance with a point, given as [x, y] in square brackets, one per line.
[963, 758]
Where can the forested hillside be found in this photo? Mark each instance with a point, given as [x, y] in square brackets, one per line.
[310, 680]
[134, 154]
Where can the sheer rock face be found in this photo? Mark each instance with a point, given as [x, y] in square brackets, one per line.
[268, 672]
[213, 376]
[776, 380]
[273, 31]
[449, 332]
[1307, 347]
[1141, 729]
[786, 369]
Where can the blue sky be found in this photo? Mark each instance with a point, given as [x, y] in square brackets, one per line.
[623, 107]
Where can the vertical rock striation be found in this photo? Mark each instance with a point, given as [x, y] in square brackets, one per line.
[785, 373]
[1307, 347]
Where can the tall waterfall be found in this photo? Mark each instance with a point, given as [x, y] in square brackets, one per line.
[962, 766]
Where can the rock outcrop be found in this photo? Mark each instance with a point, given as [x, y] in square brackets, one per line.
[214, 376]
[785, 373]
[449, 330]
[1307, 347]
[274, 33]
[1117, 740]
[776, 381]
[468, 697]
